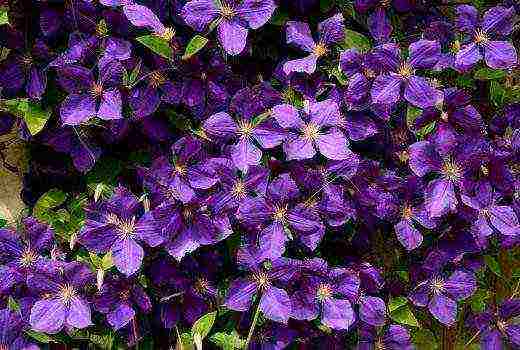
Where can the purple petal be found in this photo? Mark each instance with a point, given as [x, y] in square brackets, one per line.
[424, 54]
[37, 83]
[275, 304]
[127, 255]
[380, 25]
[444, 309]
[408, 235]
[199, 13]
[142, 16]
[121, 316]
[298, 148]
[287, 116]
[334, 145]
[386, 89]
[232, 35]
[504, 219]
[239, 295]
[491, 339]
[111, 105]
[255, 12]
[337, 313]
[467, 57]
[467, 18]
[372, 311]
[76, 109]
[460, 285]
[245, 153]
[220, 125]
[500, 54]
[271, 241]
[440, 198]
[332, 30]
[299, 34]
[79, 313]
[325, 113]
[498, 20]
[302, 65]
[47, 315]
[424, 158]
[420, 93]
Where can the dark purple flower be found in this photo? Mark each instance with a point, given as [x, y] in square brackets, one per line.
[387, 88]
[62, 302]
[441, 294]
[118, 225]
[395, 337]
[21, 253]
[120, 299]
[496, 23]
[233, 19]
[88, 97]
[12, 328]
[497, 328]
[331, 31]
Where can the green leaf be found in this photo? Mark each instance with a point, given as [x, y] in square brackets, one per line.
[157, 45]
[106, 262]
[356, 40]
[40, 337]
[412, 113]
[103, 341]
[4, 18]
[104, 171]
[327, 5]
[424, 339]
[48, 201]
[195, 45]
[400, 312]
[279, 18]
[33, 115]
[489, 74]
[227, 341]
[12, 304]
[497, 93]
[478, 300]
[493, 265]
[204, 324]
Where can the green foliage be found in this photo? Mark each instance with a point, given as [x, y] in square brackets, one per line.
[401, 312]
[43, 209]
[489, 74]
[355, 40]
[157, 45]
[196, 44]
[33, 114]
[204, 324]
[228, 341]
[493, 265]
[4, 16]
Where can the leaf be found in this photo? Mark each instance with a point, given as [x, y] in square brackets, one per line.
[157, 45]
[195, 45]
[327, 5]
[424, 339]
[34, 116]
[204, 324]
[279, 18]
[102, 341]
[227, 341]
[489, 74]
[412, 113]
[493, 265]
[106, 262]
[48, 201]
[356, 40]
[497, 93]
[4, 18]
[104, 171]
[400, 312]
[40, 337]
[478, 300]
[13, 304]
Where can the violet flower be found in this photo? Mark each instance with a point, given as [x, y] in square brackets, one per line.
[62, 302]
[441, 294]
[316, 127]
[331, 31]
[117, 225]
[496, 23]
[395, 337]
[387, 88]
[12, 328]
[233, 18]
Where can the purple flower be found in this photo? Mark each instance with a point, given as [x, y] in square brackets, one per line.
[441, 294]
[395, 337]
[117, 226]
[330, 31]
[327, 292]
[387, 88]
[316, 127]
[497, 328]
[62, 302]
[90, 98]
[496, 23]
[233, 19]
[490, 216]
[23, 252]
[119, 299]
[12, 328]
[275, 304]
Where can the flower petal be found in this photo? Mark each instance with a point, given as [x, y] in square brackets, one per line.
[232, 35]
[275, 304]
[47, 315]
[77, 109]
[127, 255]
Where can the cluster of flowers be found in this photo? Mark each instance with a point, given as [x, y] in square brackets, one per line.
[331, 200]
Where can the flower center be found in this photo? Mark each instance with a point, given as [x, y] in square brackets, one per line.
[369, 73]
[96, 90]
[227, 12]
[245, 128]
[125, 227]
[324, 291]
[67, 293]
[311, 132]
[379, 344]
[437, 285]
[481, 37]
[28, 258]
[180, 169]
[188, 214]
[101, 28]
[124, 295]
[157, 79]
[280, 212]
[385, 3]
[407, 212]
[239, 190]
[405, 70]
[403, 156]
[201, 285]
[26, 61]
[320, 50]
[262, 279]
[455, 46]
[451, 171]
[501, 325]
[168, 34]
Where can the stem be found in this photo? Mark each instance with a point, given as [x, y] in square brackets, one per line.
[472, 339]
[134, 329]
[253, 325]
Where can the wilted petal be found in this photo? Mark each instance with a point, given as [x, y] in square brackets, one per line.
[337, 313]
[444, 309]
[127, 255]
[239, 295]
[299, 34]
[302, 65]
[334, 145]
[199, 13]
[420, 93]
[47, 315]
[275, 304]
[500, 54]
[79, 313]
[232, 35]
[76, 109]
[386, 89]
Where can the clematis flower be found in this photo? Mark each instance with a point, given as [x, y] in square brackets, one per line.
[276, 211]
[117, 225]
[233, 19]
[497, 328]
[89, 98]
[120, 299]
[441, 294]
[400, 75]
[316, 127]
[497, 23]
[21, 253]
[331, 31]
[12, 334]
[327, 292]
[490, 215]
[275, 303]
[395, 337]
[62, 302]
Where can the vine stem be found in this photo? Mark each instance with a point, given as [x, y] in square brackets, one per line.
[252, 328]
[472, 339]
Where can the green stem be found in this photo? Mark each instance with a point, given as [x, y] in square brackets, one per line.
[252, 328]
